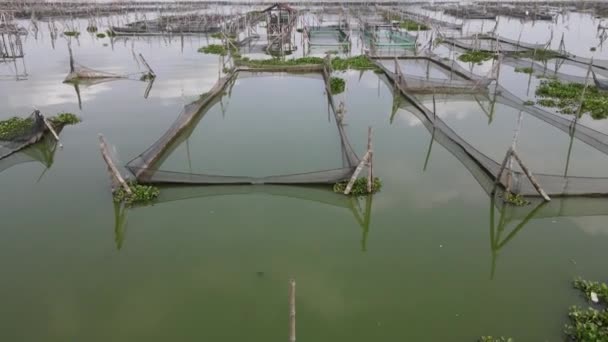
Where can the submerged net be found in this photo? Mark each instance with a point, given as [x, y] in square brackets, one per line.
[145, 167]
[42, 152]
[17, 133]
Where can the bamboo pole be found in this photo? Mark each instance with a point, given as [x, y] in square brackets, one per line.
[531, 177]
[350, 184]
[50, 127]
[370, 163]
[292, 310]
[513, 145]
[113, 170]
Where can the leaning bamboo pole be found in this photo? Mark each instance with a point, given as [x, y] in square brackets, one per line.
[111, 166]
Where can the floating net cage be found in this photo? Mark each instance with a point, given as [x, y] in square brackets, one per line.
[458, 79]
[490, 42]
[145, 167]
[327, 36]
[23, 133]
[486, 170]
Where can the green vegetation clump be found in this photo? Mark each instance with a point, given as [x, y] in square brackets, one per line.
[15, 127]
[412, 25]
[72, 33]
[217, 35]
[64, 119]
[215, 49]
[300, 30]
[538, 55]
[592, 49]
[495, 339]
[357, 63]
[566, 97]
[589, 324]
[337, 63]
[515, 199]
[359, 187]
[586, 286]
[101, 35]
[475, 56]
[141, 194]
[525, 70]
[280, 62]
[529, 103]
[337, 85]
[147, 77]
[110, 33]
[91, 29]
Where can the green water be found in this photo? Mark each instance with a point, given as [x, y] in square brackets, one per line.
[420, 261]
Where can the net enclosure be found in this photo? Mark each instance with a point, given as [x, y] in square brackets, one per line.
[486, 170]
[147, 166]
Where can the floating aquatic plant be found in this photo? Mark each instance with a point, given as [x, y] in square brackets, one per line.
[15, 127]
[337, 85]
[64, 119]
[71, 33]
[215, 49]
[140, 194]
[359, 187]
[515, 199]
[357, 63]
[539, 54]
[525, 70]
[566, 98]
[412, 25]
[495, 339]
[475, 56]
[589, 324]
[101, 35]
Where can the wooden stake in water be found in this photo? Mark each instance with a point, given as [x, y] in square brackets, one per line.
[292, 310]
[50, 127]
[113, 170]
[370, 166]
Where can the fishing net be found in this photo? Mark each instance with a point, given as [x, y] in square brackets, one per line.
[485, 170]
[42, 152]
[567, 124]
[17, 133]
[460, 80]
[145, 167]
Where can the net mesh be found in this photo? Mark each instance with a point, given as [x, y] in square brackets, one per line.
[146, 169]
[485, 170]
[19, 133]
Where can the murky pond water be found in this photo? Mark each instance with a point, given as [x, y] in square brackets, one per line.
[419, 261]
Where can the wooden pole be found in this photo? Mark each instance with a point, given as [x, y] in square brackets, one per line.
[114, 171]
[292, 310]
[513, 145]
[50, 127]
[356, 173]
[370, 167]
[531, 177]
